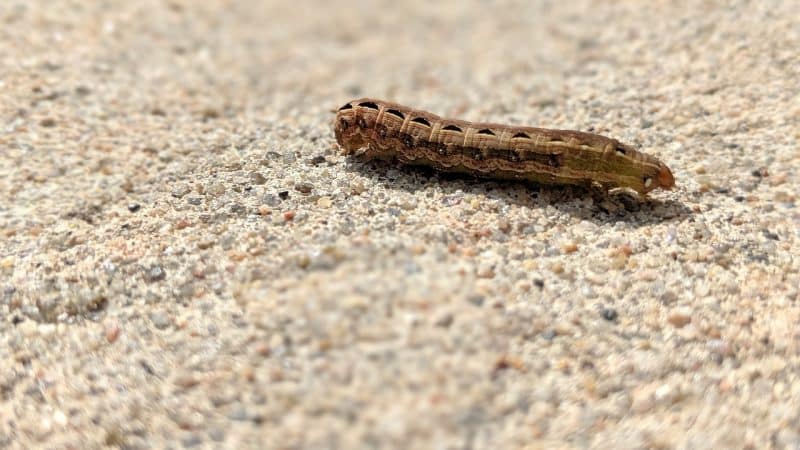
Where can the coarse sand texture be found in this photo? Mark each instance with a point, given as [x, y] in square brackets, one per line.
[187, 259]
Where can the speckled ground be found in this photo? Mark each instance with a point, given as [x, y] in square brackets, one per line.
[187, 261]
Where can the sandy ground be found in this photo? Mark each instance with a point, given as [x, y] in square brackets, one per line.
[187, 261]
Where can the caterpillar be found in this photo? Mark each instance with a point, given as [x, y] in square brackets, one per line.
[385, 130]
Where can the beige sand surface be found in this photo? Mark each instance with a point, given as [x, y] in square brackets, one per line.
[187, 261]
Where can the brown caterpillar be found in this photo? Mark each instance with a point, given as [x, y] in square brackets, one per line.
[390, 131]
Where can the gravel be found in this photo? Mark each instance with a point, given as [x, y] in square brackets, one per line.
[186, 260]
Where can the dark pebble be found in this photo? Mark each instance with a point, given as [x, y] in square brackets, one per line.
[48, 122]
[770, 235]
[133, 207]
[539, 283]
[758, 257]
[283, 195]
[317, 160]
[238, 209]
[304, 188]
[147, 367]
[610, 314]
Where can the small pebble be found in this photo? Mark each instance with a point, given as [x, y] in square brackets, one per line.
[679, 318]
[324, 202]
[770, 235]
[156, 273]
[504, 225]
[304, 188]
[7, 262]
[444, 321]
[160, 320]
[357, 187]
[317, 160]
[186, 381]
[181, 190]
[610, 314]
[112, 332]
[485, 271]
[257, 178]
[206, 243]
[210, 113]
[569, 247]
[216, 189]
[720, 347]
[271, 200]
[557, 267]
